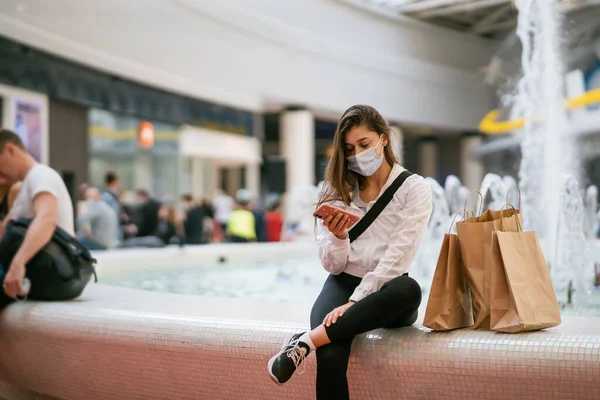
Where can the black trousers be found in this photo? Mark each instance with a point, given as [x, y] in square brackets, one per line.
[395, 305]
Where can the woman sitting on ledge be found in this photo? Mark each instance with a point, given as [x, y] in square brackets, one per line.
[369, 286]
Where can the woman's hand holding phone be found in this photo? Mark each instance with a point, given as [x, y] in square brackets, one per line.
[336, 220]
[338, 225]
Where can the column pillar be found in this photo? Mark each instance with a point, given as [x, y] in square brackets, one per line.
[397, 142]
[252, 172]
[198, 178]
[471, 169]
[213, 178]
[428, 157]
[297, 146]
[234, 180]
[185, 171]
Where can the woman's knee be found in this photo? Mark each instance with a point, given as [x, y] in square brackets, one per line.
[332, 295]
[404, 320]
[406, 290]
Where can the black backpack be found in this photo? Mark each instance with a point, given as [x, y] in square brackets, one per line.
[59, 271]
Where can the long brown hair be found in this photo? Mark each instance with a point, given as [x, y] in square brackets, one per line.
[171, 213]
[339, 181]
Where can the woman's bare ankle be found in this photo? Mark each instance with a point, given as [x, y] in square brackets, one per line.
[319, 336]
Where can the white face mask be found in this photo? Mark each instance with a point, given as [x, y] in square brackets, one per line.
[367, 162]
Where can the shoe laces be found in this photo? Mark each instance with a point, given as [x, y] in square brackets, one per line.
[297, 354]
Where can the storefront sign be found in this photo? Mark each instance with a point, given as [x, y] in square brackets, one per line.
[146, 135]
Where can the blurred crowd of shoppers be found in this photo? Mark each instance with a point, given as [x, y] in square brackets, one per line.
[105, 221]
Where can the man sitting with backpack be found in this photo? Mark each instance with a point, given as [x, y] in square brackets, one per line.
[44, 204]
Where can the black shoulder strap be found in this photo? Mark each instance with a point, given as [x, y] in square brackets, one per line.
[378, 207]
[114, 196]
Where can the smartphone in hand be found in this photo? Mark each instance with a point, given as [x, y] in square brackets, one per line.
[326, 210]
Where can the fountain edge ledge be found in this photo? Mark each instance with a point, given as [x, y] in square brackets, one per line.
[129, 344]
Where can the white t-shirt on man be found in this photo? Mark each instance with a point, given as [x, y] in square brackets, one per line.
[40, 179]
[223, 205]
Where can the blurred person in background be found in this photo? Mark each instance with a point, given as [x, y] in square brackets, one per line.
[146, 214]
[274, 221]
[208, 208]
[83, 187]
[97, 224]
[260, 226]
[110, 195]
[368, 286]
[242, 225]
[211, 231]
[81, 199]
[223, 205]
[128, 214]
[169, 227]
[194, 220]
[8, 193]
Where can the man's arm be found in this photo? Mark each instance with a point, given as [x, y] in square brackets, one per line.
[41, 229]
[38, 235]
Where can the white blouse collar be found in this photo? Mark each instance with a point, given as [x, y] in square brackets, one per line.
[396, 171]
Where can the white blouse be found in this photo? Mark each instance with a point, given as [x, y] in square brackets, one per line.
[388, 247]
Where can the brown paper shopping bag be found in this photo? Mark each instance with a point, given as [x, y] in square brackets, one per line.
[449, 304]
[522, 295]
[475, 239]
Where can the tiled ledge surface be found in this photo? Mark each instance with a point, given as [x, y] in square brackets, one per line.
[117, 343]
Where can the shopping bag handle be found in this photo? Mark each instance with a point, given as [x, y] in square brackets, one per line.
[465, 214]
[506, 206]
[518, 191]
[480, 208]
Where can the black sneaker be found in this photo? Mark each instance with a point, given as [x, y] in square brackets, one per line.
[283, 364]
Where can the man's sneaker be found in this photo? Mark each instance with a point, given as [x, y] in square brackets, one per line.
[283, 364]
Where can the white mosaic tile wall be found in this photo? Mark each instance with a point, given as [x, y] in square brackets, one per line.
[117, 343]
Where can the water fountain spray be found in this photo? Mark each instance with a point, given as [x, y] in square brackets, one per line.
[548, 155]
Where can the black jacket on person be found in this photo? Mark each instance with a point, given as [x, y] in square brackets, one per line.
[259, 225]
[166, 231]
[194, 225]
[147, 218]
[208, 210]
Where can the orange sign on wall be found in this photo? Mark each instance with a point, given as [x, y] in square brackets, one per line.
[146, 135]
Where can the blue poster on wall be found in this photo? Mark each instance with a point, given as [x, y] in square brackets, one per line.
[29, 126]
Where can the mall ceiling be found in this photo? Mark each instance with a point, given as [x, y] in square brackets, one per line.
[497, 20]
[489, 18]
